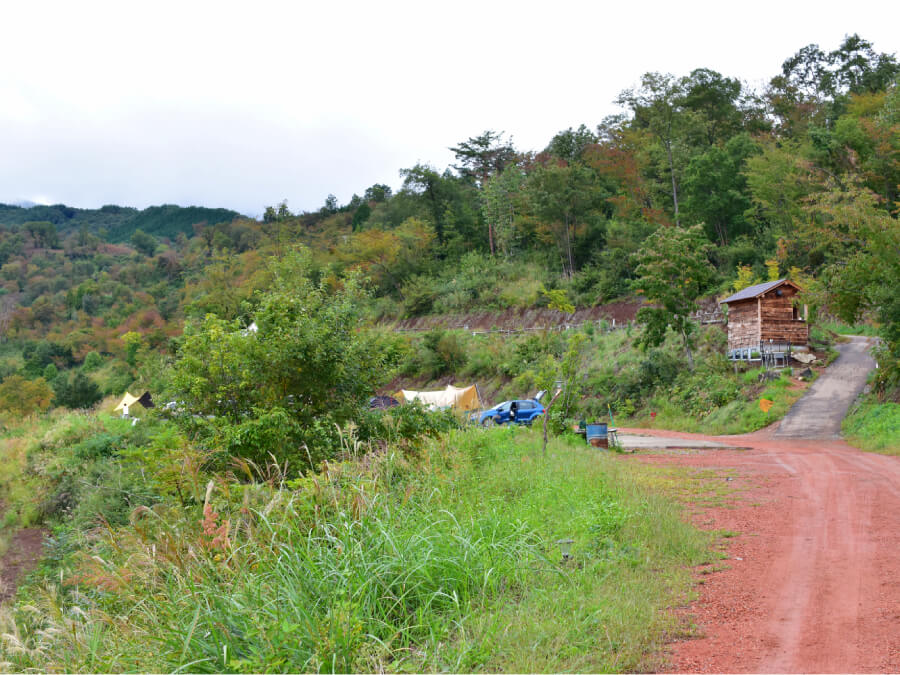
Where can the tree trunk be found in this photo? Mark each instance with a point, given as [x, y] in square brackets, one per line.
[687, 348]
[546, 415]
[571, 263]
[674, 185]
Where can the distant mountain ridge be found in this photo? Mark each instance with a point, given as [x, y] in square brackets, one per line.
[120, 222]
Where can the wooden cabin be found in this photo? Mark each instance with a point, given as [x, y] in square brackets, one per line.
[766, 317]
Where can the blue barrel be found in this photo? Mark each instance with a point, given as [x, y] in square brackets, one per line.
[596, 434]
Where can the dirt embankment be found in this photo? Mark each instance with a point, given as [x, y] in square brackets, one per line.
[523, 319]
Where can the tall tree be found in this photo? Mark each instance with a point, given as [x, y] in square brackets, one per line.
[715, 98]
[861, 244]
[564, 199]
[450, 203]
[658, 106]
[423, 179]
[673, 271]
[500, 204]
[715, 188]
[571, 144]
[480, 158]
[813, 85]
[144, 243]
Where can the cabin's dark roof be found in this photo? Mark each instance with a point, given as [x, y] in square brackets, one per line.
[755, 291]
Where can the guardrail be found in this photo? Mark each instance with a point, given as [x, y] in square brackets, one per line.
[603, 325]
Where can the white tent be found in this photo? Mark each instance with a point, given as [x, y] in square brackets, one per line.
[460, 398]
[127, 400]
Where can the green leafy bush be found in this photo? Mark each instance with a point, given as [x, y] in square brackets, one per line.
[76, 390]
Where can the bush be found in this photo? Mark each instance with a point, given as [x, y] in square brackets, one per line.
[76, 391]
[437, 353]
[20, 397]
[92, 361]
[308, 368]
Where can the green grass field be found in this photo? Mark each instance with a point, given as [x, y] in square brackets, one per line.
[445, 559]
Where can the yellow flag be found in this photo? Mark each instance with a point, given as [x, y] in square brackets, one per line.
[765, 404]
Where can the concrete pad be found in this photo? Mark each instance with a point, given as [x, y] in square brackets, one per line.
[636, 442]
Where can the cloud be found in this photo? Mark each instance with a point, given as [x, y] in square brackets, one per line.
[243, 105]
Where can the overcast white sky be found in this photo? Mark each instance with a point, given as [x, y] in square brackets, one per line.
[242, 105]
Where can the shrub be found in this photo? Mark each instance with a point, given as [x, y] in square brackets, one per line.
[309, 367]
[20, 397]
[76, 391]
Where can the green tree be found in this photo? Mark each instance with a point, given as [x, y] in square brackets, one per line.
[50, 372]
[716, 98]
[132, 342]
[814, 86]
[571, 144]
[778, 179]
[377, 193]
[568, 392]
[483, 156]
[389, 257]
[501, 205]
[449, 202]
[144, 243]
[861, 244]
[565, 200]
[308, 367]
[480, 158]
[715, 189]
[20, 397]
[92, 361]
[44, 234]
[76, 391]
[658, 106]
[673, 271]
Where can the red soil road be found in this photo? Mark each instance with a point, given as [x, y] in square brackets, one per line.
[21, 557]
[813, 578]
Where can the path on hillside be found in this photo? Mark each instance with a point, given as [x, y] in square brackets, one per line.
[819, 413]
[813, 578]
[21, 556]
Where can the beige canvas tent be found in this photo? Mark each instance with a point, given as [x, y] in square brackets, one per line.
[458, 398]
[127, 400]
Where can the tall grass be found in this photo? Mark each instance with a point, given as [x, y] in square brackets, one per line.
[841, 328]
[444, 561]
[874, 426]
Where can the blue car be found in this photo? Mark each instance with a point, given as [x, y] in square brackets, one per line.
[520, 411]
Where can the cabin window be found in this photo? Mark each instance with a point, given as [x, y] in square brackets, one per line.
[796, 316]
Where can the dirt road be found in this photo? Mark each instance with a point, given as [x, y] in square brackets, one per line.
[812, 579]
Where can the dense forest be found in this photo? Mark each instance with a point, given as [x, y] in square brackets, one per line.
[263, 517]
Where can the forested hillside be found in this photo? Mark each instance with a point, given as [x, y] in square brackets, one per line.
[115, 223]
[799, 179]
